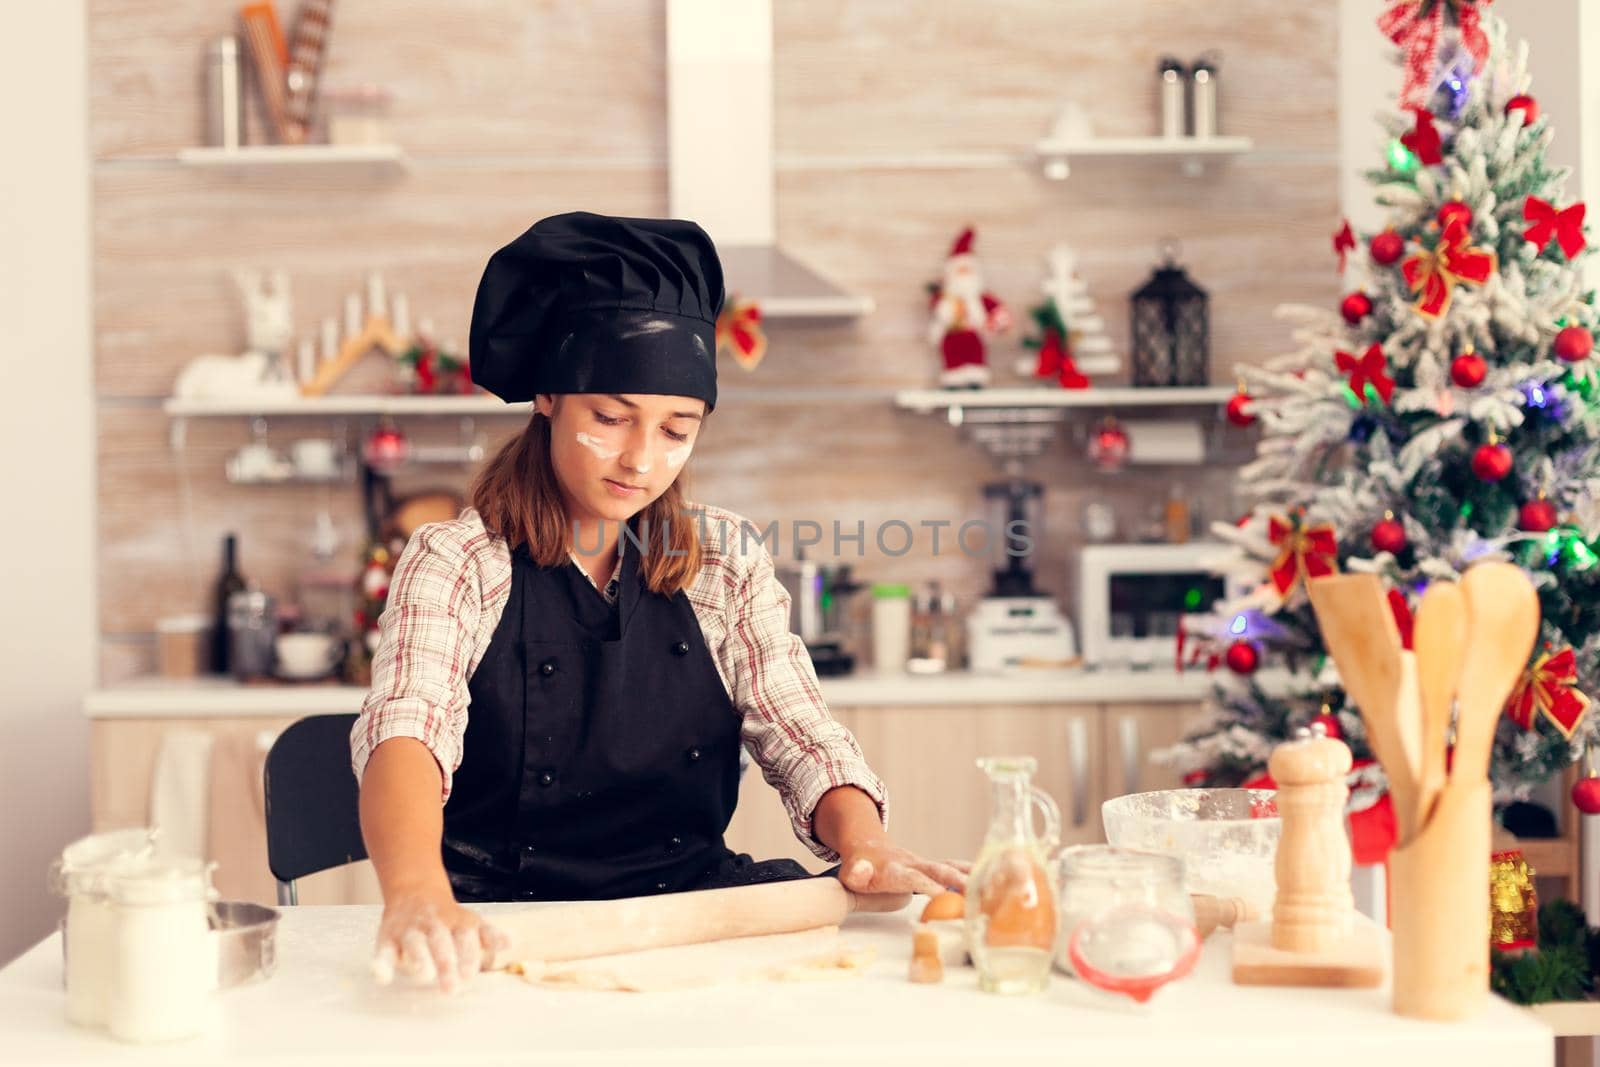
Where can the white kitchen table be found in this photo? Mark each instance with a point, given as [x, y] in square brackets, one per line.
[322, 1007]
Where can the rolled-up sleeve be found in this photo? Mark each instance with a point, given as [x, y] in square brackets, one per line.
[425, 644]
[802, 750]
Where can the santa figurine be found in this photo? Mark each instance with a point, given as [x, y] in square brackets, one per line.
[962, 312]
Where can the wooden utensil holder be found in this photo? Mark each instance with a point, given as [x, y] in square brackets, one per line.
[1440, 908]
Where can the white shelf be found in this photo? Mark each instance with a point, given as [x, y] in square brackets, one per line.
[1189, 152]
[289, 157]
[1094, 397]
[353, 404]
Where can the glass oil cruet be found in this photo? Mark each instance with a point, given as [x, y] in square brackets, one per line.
[1011, 899]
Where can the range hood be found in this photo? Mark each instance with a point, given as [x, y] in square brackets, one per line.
[720, 169]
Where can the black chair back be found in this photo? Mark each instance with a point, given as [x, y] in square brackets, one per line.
[313, 819]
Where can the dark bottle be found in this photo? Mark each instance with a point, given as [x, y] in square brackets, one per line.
[228, 583]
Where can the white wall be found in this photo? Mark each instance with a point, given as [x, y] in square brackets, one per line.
[47, 561]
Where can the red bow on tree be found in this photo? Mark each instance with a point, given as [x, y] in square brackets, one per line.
[1566, 225]
[1432, 274]
[1368, 370]
[1423, 139]
[1416, 25]
[1055, 361]
[739, 332]
[1343, 242]
[1546, 687]
[1304, 552]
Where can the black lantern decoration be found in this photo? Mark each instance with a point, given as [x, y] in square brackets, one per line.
[1171, 336]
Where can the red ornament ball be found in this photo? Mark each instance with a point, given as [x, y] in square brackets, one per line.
[1491, 462]
[1536, 516]
[1108, 449]
[1355, 307]
[386, 449]
[1196, 778]
[1468, 370]
[1527, 105]
[1574, 344]
[1242, 658]
[1586, 795]
[1453, 210]
[1239, 409]
[1330, 723]
[1387, 247]
[1389, 536]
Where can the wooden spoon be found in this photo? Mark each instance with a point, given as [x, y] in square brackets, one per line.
[1440, 642]
[1503, 624]
[1359, 629]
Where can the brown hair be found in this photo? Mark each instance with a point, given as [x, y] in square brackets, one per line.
[517, 497]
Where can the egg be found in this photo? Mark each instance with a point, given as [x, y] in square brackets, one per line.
[945, 906]
[1020, 907]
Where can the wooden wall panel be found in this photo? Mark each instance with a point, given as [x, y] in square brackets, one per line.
[897, 124]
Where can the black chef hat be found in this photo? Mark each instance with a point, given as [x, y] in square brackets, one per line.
[585, 303]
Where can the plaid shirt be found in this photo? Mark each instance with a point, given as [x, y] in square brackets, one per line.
[453, 581]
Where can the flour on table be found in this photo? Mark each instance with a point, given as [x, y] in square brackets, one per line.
[807, 955]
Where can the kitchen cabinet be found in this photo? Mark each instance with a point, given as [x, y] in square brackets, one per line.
[1132, 733]
[940, 800]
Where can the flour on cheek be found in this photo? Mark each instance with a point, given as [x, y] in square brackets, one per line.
[600, 448]
[677, 457]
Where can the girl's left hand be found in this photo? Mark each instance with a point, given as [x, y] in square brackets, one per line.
[878, 865]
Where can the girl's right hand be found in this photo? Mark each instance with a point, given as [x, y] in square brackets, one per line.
[426, 935]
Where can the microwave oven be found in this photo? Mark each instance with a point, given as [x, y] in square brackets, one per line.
[1132, 598]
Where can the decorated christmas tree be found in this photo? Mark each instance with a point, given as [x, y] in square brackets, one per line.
[1447, 413]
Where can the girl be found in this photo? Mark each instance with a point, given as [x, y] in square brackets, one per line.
[567, 672]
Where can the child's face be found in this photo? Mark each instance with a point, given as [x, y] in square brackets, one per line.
[614, 454]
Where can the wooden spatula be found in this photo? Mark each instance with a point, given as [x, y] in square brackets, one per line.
[1503, 624]
[1359, 630]
[1440, 642]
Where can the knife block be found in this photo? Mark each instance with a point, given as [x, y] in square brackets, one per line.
[1439, 905]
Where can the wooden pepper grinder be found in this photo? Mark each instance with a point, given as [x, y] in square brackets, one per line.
[1313, 939]
[1314, 905]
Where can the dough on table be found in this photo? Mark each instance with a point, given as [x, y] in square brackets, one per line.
[807, 955]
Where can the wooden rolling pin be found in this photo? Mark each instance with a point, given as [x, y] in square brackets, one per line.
[606, 927]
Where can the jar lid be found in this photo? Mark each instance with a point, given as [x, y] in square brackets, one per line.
[889, 591]
[160, 881]
[84, 864]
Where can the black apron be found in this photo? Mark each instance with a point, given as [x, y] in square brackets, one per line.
[601, 757]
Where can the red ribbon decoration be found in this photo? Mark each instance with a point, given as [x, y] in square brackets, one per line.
[1546, 687]
[1401, 610]
[1368, 370]
[1344, 241]
[1055, 360]
[739, 333]
[1416, 26]
[1566, 225]
[1423, 139]
[1373, 829]
[1433, 274]
[1304, 552]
